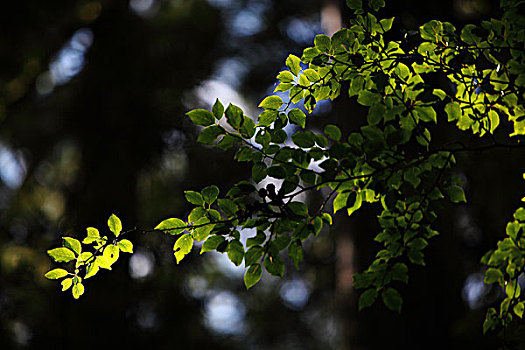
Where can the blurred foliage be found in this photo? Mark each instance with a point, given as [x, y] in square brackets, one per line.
[111, 136]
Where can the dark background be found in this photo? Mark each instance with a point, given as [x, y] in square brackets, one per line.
[92, 103]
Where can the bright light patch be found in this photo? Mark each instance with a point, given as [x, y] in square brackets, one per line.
[295, 293]
[68, 63]
[224, 313]
[12, 168]
[141, 7]
[247, 23]
[141, 264]
[474, 290]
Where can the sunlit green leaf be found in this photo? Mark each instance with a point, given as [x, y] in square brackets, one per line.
[92, 235]
[218, 109]
[78, 290]
[210, 193]
[173, 226]
[125, 246]
[212, 243]
[201, 117]
[92, 270]
[111, 253]
[182, 247]
[72, 244]
[61, 254]
[114, 225]
[66, 283]
[273, 102]
[235, 251]
[56, 274]
[252, 275]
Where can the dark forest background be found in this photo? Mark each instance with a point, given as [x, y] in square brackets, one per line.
[93, 96]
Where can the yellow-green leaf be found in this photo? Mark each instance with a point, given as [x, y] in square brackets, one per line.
[114, 225]
[125, 246]
[56, 274]
[252, 275]
[61, 254]
[78, 290]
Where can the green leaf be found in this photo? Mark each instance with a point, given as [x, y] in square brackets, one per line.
[304, 139]
[267, 117]
[66, 283]
[327, 218]
[259, 172]
[82, 258]
[228, 206]
[322, 43]
[217, 109]
[367, 298]
[386, 24]
[333, 132]
[298, 208]
[234, 116]
[201, 117]
[297, 117]
[520, 214]
[453, 111]
[518, 309]
[92, 270]
[173, 226]
[196, 214]
[247, 128]
[125, 246]
[235, 251]
[72, 244]
[455, 194]
[341, 200]
[78, 290]
[312, 75]
[274, 265]
[92, 235]
[491, 320]
[252, 275]
[182, 246]
[276, 172]
[493, 275]
[285, 77]
[212, 243]
[259, 239]
[367, 98]
[426, 114]
[114, 225]
[253, 255]
[203, 229]
[273, 102]
[210, 194]
[431, 31]
[294, 63]
[354, 4]
[61, 254]
[392, 299]
[209, 134]
[281, 242]
[295, 252]
[194, 198]
[400, 272]
[111, 253]
[56, 274]
[102, 262]
[494, 120]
